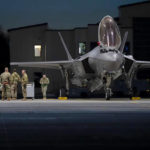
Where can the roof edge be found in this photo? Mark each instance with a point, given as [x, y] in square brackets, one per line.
[30, 26]
[133, 4]
[77, 28]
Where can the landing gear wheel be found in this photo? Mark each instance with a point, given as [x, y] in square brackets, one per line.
[108, 94]
[131, 93]
[63, 92]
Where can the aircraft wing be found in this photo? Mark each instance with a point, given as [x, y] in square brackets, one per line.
[143, 64]
[132, 64]
[44, 64]
[131, 67]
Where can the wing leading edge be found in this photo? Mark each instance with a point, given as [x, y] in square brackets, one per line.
[137, 63]
[46, 64]
[143, 64]
[132, 66]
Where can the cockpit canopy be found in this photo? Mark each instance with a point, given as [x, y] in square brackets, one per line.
[109, 34]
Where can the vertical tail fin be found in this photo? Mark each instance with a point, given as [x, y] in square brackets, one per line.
[65, 47]
[123, 42]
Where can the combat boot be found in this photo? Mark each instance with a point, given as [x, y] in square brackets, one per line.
[24, 99]
[44, 98]
[8, 99]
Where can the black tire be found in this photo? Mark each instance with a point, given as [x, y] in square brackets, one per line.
[131, 94]
[63, 92]
[107, 94]
[108, 98]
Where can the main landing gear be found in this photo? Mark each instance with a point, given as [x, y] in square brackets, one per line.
[108, 93]
[107, 82]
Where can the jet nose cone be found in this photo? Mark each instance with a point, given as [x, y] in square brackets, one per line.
[115, 61]
[115, 58]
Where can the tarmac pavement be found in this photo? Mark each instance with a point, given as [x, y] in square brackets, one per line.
[75, 124]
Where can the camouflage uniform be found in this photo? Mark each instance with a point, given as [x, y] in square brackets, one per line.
[44, 84]
[15, 78]
[5, 80]
[24, 81]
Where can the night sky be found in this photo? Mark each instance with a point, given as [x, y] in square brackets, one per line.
[62, 14]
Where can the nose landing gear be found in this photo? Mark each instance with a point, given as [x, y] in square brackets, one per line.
[107, 81]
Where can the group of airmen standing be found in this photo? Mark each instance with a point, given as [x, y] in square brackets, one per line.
[9, 83]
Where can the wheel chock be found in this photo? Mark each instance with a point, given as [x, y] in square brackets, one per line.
[135, 98]
[62, 98]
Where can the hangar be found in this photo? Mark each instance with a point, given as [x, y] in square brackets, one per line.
[41, 43]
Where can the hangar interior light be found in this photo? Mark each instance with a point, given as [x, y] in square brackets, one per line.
[37, 50]
[82, 48]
